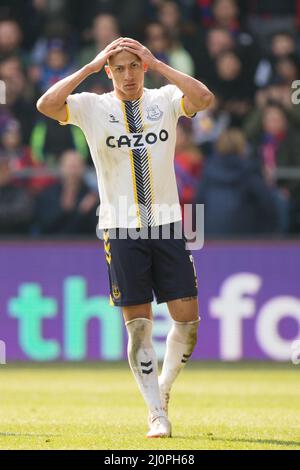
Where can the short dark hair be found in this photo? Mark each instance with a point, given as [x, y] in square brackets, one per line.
[137, 57]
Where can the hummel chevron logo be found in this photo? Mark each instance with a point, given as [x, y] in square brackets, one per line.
[147, 365]
[185, 358]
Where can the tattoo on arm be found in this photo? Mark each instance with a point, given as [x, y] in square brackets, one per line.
[187, 299]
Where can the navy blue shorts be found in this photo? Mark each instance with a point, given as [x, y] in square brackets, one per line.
[138, 267]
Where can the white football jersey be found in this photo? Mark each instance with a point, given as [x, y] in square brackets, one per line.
[132, 144]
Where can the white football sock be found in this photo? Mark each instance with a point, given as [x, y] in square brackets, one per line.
[181, 342]
[143, 362]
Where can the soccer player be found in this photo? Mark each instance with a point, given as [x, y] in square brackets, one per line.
[131, 136]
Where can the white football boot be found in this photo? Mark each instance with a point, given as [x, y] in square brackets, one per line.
[160, 426]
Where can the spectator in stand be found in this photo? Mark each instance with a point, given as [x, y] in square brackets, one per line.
[19, 94]
[222, 13]
[30, 15]
[179, 57]
[16, 205]
[49, 140]
[272, 129]
[169, 17]
[279, 91]
[11, 144]
[275, 146]
[204, 14]
[283, 44]
[69, 206]
[265, 17]
[5, 116]
[33, 16]
[58, 65]
[157, 40]
[150, 8]
[177, 19]
[168, 50]
[233, 87]
[14, 9]
[226, 15]
[276, 141]
[237, 201]
[55, 29]
[21, 159]
[105, 29]
[11, 40]
[80, 14]
[207, 126]
[287, 68]
[188, 165]
[283, 51]
[225, 33]
[217, 41]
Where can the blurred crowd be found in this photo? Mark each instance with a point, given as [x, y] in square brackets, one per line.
[240, 158]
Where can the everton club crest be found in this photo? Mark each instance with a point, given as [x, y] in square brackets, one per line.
[154, 113]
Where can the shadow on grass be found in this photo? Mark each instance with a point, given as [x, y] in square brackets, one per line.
[183, 438]
[256, 366]
[253, 441]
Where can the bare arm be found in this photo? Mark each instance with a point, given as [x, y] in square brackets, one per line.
[53, 102]
[196, 95]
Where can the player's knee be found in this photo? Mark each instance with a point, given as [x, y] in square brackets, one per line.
[139, 333]
[185, 332]
[134, 312]
[184, 309]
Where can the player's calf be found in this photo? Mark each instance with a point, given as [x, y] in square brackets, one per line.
[181, 342]
[143, 363]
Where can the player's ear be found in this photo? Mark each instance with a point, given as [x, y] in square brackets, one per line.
[107, 70]
[145, 67]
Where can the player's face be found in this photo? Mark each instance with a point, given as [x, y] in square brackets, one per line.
[127, 73]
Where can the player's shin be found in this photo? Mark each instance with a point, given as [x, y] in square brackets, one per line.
[181, 342]
[143, 362]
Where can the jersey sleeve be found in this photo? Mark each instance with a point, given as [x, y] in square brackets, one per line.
[175, 97]
[79, 107]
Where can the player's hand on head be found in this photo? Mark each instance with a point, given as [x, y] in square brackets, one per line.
[100, 60]
[131, 45]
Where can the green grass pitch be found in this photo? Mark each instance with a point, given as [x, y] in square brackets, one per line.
[98, 406]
